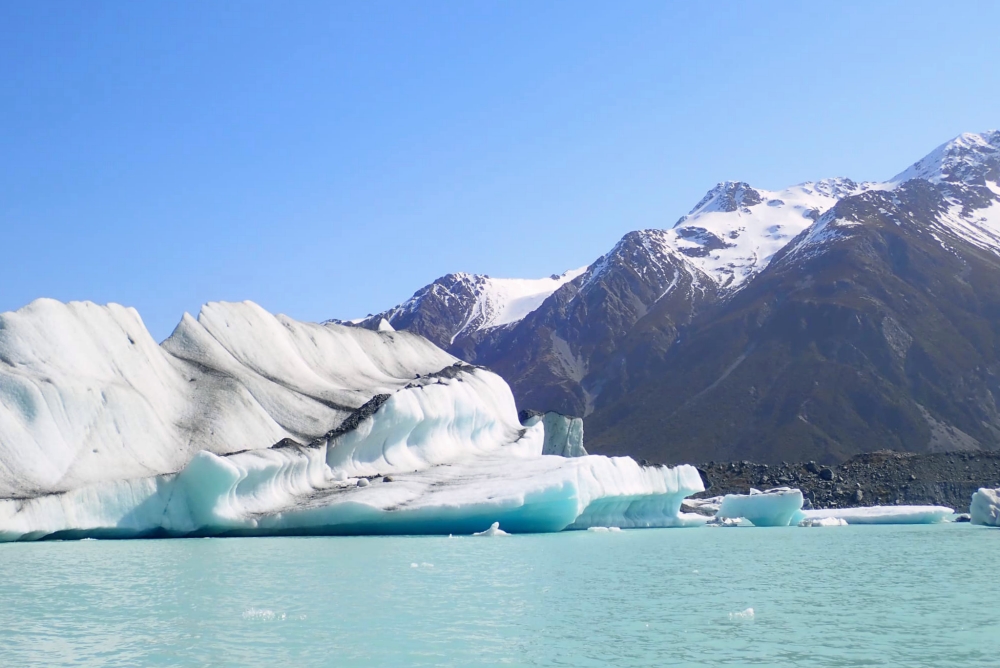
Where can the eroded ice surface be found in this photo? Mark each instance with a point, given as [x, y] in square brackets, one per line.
[774, 508]
[424, 444]
[985, 508]
[884, 514]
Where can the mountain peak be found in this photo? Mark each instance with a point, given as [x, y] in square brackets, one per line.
[969, 158]
[727, 196]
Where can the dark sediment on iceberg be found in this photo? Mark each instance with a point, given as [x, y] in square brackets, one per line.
[876, 478]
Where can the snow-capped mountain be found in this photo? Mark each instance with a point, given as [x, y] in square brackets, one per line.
[599, 343]
[462, 305]
[735, 230]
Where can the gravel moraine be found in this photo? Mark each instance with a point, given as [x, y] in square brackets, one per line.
[877, 478]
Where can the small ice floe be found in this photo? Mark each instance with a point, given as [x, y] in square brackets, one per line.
[884, 514]
[262, 615]
[494, 530]
[422, 564]
[742, 615]
[724, 522]
[604, 529]
[823, 522]
[776, 507]
[363, 482]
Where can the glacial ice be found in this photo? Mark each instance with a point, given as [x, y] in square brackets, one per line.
[883, 514]
[230, 428]
[563, 433]
[776, 507]
[494, 530]
[708, 507]
[985, 508]
[823, 522]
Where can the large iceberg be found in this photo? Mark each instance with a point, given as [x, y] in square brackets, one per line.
[776, 507]
[985, 508]
[225, 429]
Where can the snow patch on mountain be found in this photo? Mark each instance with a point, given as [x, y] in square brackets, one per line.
[733, 233]
[503, 301]
[971, 158]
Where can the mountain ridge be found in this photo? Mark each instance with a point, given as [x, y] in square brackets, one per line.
[602, 337]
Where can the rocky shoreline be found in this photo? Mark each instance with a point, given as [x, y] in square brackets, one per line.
[877, 478]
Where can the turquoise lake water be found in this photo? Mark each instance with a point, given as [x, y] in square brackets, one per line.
[840, 596]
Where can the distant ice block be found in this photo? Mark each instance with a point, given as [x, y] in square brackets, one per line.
[773, 508]
[823, 522]
[985, 508]
[884, 514]
[424, 450]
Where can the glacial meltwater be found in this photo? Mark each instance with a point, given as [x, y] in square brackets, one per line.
[832, 596]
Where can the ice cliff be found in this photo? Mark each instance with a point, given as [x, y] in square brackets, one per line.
[246, 423]
[985, 508]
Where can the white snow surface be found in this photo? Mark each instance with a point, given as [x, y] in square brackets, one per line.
[776, 507]
[985, 508]
[498, 301]
[883, 514]
[751, 234]
[182, 434]
[953, 158]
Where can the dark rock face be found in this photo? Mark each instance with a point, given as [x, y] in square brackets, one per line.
[877, 478]
[588, 341]
[884, 334]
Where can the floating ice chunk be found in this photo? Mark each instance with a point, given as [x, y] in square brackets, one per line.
[363, 482]
[604, 529]
[774, 508]
[884, 514]
[259, 615]
[494, 530]
[985, 508]
[708, 507]
[724, 522]
[823, 522]
[742, 615]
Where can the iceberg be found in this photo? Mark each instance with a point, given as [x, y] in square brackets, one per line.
[225, 429]
[883, 514]
[494, 530]
[985, 508]
[823, 522]
[776, 507]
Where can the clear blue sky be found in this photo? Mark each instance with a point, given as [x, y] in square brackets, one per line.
[326, 159]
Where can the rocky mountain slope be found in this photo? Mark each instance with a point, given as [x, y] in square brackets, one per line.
[816, 322]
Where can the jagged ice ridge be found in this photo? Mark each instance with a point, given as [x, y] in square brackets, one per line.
[244, 423]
